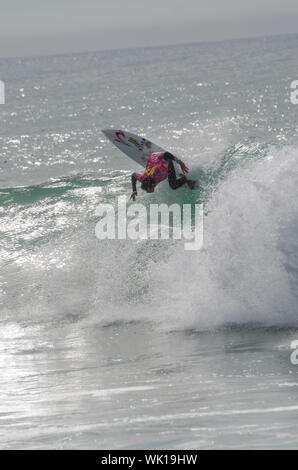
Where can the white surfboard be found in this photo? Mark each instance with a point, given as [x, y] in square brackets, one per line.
[134, 146]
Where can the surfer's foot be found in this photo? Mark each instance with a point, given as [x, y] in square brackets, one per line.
[191, 184]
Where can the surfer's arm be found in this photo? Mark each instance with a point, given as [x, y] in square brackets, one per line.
[134, 179]
[169, 156]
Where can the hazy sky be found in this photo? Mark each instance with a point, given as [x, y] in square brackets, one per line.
[30, 27]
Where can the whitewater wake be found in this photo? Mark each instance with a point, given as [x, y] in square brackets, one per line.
[247, 270]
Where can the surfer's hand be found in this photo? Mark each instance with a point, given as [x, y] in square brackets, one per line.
[184, 167]
[133, 195]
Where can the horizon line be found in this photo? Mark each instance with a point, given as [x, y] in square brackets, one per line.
[114, 49]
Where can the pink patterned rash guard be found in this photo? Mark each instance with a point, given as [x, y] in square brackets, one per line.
[157, 168]
[160, 167]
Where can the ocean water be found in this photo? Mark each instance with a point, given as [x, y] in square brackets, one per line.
[122, 344]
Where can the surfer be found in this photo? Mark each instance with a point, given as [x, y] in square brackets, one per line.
[160, 167]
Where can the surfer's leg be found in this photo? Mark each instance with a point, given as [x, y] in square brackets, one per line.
[175, 182]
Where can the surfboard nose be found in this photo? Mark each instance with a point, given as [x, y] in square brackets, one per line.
[109, 133]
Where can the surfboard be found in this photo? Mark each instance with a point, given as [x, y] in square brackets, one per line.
[134, 146]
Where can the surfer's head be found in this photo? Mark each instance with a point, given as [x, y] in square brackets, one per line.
[148, 184]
